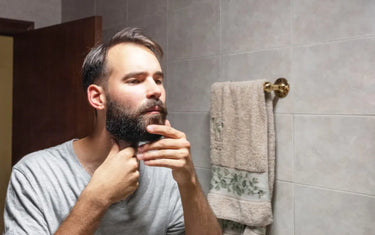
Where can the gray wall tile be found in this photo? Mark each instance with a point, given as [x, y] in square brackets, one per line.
[269, 65]
[113, 13]
[335, 78]
[315, 21]
[335, 152]
[189, 82]
[253, 25]
[284, 147]
[107, 34]
[330, 212]
[196, 128]
[178, 4]
[283, 209]
[194, 31]
[204, 177]
[42, 13]
[139, 8]
[154, 26]
[73, 10]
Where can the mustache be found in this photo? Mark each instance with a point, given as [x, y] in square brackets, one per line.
[151, 104]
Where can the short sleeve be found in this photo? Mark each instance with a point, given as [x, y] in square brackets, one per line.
[22, 214]
[176, 224]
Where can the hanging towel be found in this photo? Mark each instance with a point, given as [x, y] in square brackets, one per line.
[242, 156]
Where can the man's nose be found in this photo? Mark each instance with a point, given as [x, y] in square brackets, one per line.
[153, 90]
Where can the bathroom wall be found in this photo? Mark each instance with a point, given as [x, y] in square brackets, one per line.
[42, 13]
[325, 126]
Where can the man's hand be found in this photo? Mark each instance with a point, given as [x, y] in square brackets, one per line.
[117, 177]
[173, 151]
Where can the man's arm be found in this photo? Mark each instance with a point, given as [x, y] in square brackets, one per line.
[85, 216]
[114, 180]
[173, 152]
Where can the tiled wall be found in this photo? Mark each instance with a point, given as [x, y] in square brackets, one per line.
[42, 13]
[325, 127]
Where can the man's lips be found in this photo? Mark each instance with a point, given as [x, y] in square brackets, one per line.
[153, 110]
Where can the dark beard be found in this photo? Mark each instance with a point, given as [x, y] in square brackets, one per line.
[131, 126]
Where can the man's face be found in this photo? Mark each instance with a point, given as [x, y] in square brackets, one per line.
[135, 95]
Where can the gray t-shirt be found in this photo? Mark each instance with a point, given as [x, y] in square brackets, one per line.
[45, 185]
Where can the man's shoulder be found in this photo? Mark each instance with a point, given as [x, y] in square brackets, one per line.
[42, 158]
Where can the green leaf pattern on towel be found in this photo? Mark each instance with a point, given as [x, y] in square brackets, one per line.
[236, 228]
[232, 226]
[236, 182]
[217, 127]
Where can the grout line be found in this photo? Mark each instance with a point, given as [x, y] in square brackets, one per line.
[166, 50]
[193, 58]
[266, 49]
[334, 190]
[228, 54]
[95, 8]
[242, 52]
[220, 29]
[291, 54]
[270, 49]
[220, 44]
[291, 25]
[333, 115]
[290, 114]
[127, 12]
[334, 41]
[293, 171]
[326, 188]
[167, 37]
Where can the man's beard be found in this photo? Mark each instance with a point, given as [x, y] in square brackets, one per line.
[130, 126]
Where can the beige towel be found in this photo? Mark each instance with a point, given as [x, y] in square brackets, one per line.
[242, 156]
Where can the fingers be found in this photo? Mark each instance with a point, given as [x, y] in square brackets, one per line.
[173, 151]
[164, 144]
[165, 153]
[165, 130]
[170, 163]
[164, 148]
[115, 152]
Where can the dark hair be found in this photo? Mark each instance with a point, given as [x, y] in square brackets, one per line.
[94, 67]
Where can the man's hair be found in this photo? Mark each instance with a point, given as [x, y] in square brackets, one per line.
[95, 67]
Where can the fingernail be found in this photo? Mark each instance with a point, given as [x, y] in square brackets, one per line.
[139, 156]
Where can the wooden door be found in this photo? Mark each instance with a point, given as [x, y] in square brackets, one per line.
[49, 105]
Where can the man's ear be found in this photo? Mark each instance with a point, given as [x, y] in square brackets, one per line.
[96, 96]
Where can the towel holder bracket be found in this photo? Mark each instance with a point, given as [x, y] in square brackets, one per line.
[280, 87]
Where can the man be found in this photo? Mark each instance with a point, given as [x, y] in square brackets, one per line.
[132, 175]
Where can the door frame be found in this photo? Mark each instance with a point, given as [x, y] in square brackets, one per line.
[10, 27]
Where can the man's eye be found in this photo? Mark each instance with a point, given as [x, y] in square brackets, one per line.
[159, 81]
[133, 81]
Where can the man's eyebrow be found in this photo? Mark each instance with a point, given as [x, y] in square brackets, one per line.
[159, 74]
[135, 74]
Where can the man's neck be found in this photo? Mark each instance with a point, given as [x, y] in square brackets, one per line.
[92, 150]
